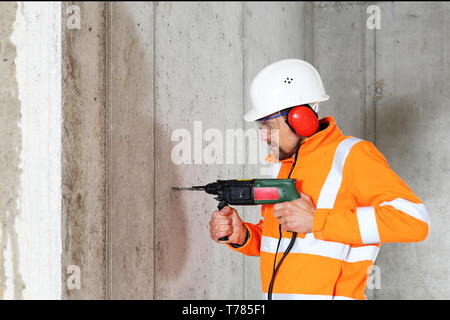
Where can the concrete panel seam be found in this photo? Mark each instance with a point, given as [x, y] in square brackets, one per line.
[374, 81]
[363, 71]
[154, 146]
[108, 119]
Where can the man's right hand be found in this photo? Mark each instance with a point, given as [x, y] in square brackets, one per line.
[227, 222]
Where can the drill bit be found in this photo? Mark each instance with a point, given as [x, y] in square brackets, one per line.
[194, 188]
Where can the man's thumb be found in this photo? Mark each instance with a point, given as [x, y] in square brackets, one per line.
[225, 211]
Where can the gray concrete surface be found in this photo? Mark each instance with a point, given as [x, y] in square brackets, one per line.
[412, 112]
[131, 157]
[84, 151]
[135, 72]
[340, 55]
[198, 77]
[10, 148]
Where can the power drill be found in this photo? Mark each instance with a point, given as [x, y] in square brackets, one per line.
[248, 192]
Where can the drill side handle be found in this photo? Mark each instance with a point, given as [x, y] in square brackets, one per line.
[222, 204]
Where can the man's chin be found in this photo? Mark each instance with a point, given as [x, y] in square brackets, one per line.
[282, 155]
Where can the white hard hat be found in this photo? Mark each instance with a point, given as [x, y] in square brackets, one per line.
[284, 84]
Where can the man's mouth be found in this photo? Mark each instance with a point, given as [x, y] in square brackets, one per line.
[274, 148]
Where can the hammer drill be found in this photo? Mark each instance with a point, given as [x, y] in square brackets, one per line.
[249, 192]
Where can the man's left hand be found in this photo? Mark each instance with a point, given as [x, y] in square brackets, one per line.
[295, 216]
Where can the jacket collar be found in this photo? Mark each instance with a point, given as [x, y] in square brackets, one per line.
[325, 136]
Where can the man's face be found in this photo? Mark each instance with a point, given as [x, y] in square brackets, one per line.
[277, 134]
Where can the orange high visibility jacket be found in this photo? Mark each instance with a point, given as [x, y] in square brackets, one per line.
[360, 203]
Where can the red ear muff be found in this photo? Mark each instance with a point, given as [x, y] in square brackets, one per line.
[303, 120]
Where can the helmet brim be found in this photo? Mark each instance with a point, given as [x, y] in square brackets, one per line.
[253, 115]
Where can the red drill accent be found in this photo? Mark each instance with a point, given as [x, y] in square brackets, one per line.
[266, 193]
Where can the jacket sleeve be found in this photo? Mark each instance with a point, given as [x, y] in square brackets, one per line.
[387, 210]
[253, 244]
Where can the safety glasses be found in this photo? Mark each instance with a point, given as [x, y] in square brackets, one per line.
[273, 116]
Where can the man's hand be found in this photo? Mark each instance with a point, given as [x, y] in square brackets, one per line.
[227, 222]
[296, 216]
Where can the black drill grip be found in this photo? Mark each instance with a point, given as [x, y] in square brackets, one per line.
[220, 206]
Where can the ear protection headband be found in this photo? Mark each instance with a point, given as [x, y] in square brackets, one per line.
[303, 120]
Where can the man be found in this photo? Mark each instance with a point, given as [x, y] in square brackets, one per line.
[351, 201]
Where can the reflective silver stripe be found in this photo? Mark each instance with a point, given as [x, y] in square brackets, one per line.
[329, 249]
[367, 222]
[357, 254]
[333, 182]
[416, 210]
[343, 298]
[291, 296]
[309, 245]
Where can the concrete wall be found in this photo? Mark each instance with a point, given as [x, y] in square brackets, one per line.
[198, 77]
[412, 131]
[147, 70]
[390, 86]
[132, 74]
[10, 136]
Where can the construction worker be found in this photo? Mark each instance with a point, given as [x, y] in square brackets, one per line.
[321, 245]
